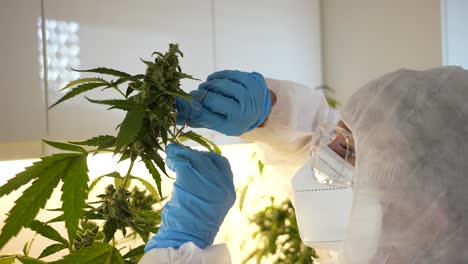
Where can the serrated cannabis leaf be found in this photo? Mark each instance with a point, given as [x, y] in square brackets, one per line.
[47, 231]
[108, 71]
[130, 127]
[154, 173]
[27, 247]
[28, 260]
[101, 142]
[7, 259]
[74, 194]
[109, 229]
[135, 252]
[32, 172]
[116, 103]
[261, 166]
[243, 193]
[114, 175]
[201, 140]
[64, 146]
[35, 197]
[156, 158]
[84, 80]
[78, 90]
[148, 186]
[96, 254]
[52, 249]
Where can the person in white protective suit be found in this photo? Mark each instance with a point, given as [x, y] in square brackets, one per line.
[389, 180]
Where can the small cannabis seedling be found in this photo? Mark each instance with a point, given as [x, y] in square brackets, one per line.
[149, 101]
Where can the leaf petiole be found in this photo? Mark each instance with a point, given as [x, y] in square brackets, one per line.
[126, 179]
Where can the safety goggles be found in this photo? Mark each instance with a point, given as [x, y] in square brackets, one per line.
[332, 155]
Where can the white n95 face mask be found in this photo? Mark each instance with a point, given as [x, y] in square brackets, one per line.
[322, 211]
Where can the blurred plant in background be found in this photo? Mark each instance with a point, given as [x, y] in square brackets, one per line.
[276, 233]
[278, 236]
[275, 229]
[328, 91]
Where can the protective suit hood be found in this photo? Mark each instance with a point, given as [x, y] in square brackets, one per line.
[411, 174]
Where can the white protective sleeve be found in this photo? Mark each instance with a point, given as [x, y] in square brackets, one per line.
[188, 253]
[286, 135]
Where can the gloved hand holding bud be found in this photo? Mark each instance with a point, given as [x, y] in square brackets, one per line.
[236, 102]
[202, 196]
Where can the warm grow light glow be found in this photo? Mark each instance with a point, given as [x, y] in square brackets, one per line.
[234, 231]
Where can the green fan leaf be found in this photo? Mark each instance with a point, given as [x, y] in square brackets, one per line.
[65, 146]
[56, 219]
[114, 174]
[95, 182]
[47, 231]
[130, 127]
[201, 140]
[116, 103]
[32, 172]
[10, 259]
[109, 229]
[261, 166]
[34, 198]
[107, 71]
[52, 249]
[101, 142]
[148, 186]
[84, 80]
[243, 193]
[156, 158]
[154, 172]
[135, 252]
[27, 247]
[97, 253]
[78, 90]
[74, 194]
[28, 260]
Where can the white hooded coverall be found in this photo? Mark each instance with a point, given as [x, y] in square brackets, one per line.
[286, 136]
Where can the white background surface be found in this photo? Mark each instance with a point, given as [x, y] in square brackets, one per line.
[455, 32]
[279, 39]
[364, 39]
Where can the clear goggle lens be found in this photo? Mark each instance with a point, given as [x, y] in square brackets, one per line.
[333, 155]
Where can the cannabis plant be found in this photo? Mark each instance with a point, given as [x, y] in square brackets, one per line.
[149, 125]
[277, 235]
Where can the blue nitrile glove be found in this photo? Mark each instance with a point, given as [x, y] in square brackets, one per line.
[237, 102]
[202, 196]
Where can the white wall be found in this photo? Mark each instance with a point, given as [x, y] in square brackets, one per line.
[277, 38]
[22, 108]
[280, 39]
[455, 32]
[363, 39]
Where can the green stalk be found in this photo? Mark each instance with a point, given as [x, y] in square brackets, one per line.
[126, 179]
[118, 90]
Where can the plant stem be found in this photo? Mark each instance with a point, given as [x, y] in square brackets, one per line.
[127, 177]
[118, 90]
